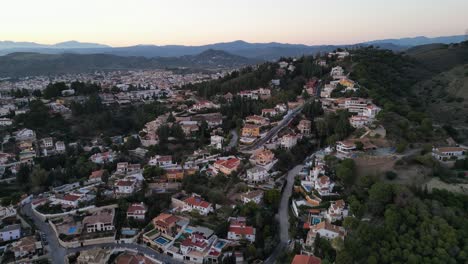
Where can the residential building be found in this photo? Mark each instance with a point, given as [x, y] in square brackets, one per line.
[97, 176]
[47, 142]
[257, 174]
[26, 246]
[60, 146]
[288, 141]
[125, 187]
[217, 141]
[161, 161]
[269, 112]
[6, 121]
[324, 186]
[136, 211]
[104, 157]
[251, 130]
[252, 196]
[94, 256]
[446, 153]
[304, 127]
[257, 120]
[239, 230]
[264, 158]
[10, 232]
[68, 200]
[227, 166]
[345, 147]
[197, 203]
[167, 224]
[25, 134]
[326, 230]
[336, 211]
[174, 174]
[134, 258]
[99, 221]
[358, 121]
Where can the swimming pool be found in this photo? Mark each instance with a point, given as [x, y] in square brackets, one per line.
[129, 232]
[161, 240]
[220, 244]
[72, 230]
[188, 230]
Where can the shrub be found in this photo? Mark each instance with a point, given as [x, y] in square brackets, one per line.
[391, 175]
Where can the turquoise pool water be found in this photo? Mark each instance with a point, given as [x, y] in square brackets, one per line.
[161, 240]
[72, 230]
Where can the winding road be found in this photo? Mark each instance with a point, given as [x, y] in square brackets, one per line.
[283, 215]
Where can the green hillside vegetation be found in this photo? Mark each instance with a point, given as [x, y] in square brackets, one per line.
[420, 91]
[29, 64]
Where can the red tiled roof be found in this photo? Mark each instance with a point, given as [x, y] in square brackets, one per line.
[197, 201]
[125, 183]
[304, 259]
[245, 230]
[132, 209]
[71, 197]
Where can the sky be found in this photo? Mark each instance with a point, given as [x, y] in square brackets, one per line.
[196, 22]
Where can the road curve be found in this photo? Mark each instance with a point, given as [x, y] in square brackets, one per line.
[283, 215]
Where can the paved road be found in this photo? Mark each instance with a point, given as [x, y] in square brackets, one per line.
[283, 215]
[270, 134]
[58, 253]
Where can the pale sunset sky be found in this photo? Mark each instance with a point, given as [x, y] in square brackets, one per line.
[195, 22]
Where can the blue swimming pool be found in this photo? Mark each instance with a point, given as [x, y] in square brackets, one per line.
[129, 232]
[161, 240]
[188, 230]
[220, 244]
[72, 230]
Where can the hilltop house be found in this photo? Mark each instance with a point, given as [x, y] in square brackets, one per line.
[446, 153]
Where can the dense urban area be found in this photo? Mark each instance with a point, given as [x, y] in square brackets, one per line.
[350, 156]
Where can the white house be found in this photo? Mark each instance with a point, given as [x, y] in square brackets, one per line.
[217, 141]
[445, 153]
[161, 161]
[288, 141]
[99, 221]
[60, 146]
[125, 187]
[68, 200]
[336, 211]
[326, 230]
[6, 122]
[345, 147]
[324, 185]
[136, 211]
[10, 232]
[25, 134]
[238, 230]
[252, 196]
[257, 174]
[196, 203]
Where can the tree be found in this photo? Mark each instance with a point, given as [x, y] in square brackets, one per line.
[39, 179]
[346, 172]
[380, 194]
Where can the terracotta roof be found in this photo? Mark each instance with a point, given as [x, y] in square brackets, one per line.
[97, 174]
[132, 209]
[197, 201]
[304, 259]
[125, 183]
[71, 197]
[449, 149]
[244, 230]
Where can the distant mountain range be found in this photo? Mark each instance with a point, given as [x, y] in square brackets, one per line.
[263, 51]
[29, 64]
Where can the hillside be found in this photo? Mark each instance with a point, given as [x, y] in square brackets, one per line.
[440, 57]
[28, 64]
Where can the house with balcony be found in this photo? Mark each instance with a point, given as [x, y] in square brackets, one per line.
[257, 174]
[447, 153]
[326, 230]
[99, 221]
[227, 165]
[136, 211]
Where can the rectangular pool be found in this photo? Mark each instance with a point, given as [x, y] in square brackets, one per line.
[161, 240]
